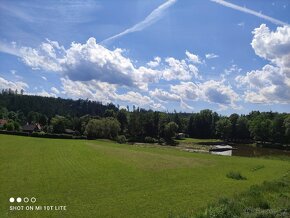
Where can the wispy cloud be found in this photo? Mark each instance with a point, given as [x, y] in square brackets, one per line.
[154, 16]
[249, 11]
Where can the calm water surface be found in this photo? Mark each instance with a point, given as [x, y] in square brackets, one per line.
[249, 151]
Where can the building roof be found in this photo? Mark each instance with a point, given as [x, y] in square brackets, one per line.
[3, 122]
[31, 127]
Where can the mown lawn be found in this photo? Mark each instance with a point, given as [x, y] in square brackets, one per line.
[105, 179]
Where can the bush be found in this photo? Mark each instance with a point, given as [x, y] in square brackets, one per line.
[9, 126]
[56, 136]
[121, 139]
[236, 176]
[14, 133]
[161, 141]
[149, 139]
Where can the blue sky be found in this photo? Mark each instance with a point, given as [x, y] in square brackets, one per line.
[228, 56]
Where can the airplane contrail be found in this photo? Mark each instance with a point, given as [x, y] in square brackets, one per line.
[249, 11]
[154, 16]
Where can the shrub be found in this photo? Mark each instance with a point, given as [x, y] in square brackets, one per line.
[121, 139]
[149, 139]
[236, 176]
[9, 126]
[14, 133]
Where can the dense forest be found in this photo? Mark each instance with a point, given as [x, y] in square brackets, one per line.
[96, 120]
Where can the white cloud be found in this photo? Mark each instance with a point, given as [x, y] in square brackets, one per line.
[46, 57]
[44, 78]
[93, 90]
[233, 69]
[155, 62]
[211, 91]
[55, 90]
[271, 84]
[268, 85]
[179, 70]
[211, 56]
[273, 46]
[164, 95]
[186, 90]
[185, 106]
[91, 61]
[193, 58]
[219, 93]
[249, 11]
[153, 17]
[106, 93]
[6, 84]
[42, 93]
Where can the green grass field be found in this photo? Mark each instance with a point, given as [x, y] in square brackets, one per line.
[105, 179]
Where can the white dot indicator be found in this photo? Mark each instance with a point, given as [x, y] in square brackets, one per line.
[33, 200]
[11, 200]
[18, 200]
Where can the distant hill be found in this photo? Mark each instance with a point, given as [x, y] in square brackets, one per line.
[51, 106]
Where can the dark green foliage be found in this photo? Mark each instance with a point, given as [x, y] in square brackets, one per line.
[149, 139]
[224, 128]
[269, 200]
[102, 128]
[121, 139]
[56, 136]
[55, 115]
[123, 120]
[235, 175]
[53, 106]
[202, 124]
[59, 123]
[9, 126]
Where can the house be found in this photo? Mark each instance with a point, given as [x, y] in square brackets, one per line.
[2, 122]
[31, 128]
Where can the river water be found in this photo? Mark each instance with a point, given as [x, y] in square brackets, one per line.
[250, 151]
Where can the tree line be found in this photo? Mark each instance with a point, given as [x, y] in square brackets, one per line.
[96, 120]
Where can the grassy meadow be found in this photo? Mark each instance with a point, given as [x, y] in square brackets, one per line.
[103, 179]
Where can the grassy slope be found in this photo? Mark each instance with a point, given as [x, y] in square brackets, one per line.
[104, 179]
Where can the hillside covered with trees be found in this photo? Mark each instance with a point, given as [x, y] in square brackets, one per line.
[96, 120]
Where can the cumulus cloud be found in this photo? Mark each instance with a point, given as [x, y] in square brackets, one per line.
[268, 85]
[192, 57]
[46, 57]
[106, 93]
[274, 46]
[6, 84]
[92, 61]
[211, 91]
[179, 70]
[155, 62]
[55, 90]
[271, 84]
[164, 95]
